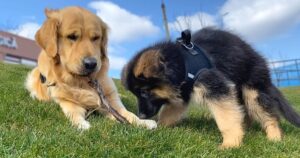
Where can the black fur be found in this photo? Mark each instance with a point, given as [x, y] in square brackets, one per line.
[215, 82]
[235, 62]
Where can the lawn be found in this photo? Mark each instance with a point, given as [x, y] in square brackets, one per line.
[29, 128]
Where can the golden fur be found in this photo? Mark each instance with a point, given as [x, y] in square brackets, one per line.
[66, 37]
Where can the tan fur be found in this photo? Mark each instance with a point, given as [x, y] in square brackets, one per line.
[148, 64]
[171, 114]
[229, 118]
[268, 122]
[61, 63]
[166, 92]
[228, 115]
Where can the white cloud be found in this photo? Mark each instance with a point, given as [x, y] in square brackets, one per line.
[116, 62]
[123, 24]
[115, 56]
[27, 30]
[193, 22]
[116, 49]
[260, 19]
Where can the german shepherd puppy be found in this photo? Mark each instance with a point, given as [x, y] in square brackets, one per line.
[237, 87]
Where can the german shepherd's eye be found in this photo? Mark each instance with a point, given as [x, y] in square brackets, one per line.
[72, 37]
[141, 77]
[144, 93]
[95, 38]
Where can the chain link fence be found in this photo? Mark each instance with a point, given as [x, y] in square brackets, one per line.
[285, 72]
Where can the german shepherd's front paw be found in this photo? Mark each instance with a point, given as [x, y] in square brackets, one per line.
[231, 142]
[224, 146]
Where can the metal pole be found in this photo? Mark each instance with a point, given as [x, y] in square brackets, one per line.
[276, 74]
[163, 7]
[298, 70]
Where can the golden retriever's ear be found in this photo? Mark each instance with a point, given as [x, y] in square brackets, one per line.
[46, 36]
[103, 45]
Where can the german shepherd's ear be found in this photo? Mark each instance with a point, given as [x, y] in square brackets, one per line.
[46, 36]
[150, 64]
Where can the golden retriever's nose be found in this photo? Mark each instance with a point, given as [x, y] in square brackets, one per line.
[89, 63]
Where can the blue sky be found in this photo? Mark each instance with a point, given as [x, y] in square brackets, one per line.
[271, 26]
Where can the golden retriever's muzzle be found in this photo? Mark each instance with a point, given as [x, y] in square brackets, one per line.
[89, 65]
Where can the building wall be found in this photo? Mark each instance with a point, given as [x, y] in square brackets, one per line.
[1, 56]
[18, 50]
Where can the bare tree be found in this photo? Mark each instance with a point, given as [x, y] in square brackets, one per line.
[7, 25]
[186, 22]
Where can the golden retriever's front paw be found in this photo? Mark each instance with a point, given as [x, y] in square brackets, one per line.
[149, 124]
[83, 125]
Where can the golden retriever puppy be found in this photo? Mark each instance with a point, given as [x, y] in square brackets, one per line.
[74, 43]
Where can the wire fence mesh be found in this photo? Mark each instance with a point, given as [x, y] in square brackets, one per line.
[285, 72]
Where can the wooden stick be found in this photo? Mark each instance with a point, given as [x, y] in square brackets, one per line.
[94, 84]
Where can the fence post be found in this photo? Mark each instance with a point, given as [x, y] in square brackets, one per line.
[286, 71]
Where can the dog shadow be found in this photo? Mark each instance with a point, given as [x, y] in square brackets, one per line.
[199, 124]
[208, 125]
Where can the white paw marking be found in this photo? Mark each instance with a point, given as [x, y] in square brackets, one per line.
[83, 125]
[149, 124]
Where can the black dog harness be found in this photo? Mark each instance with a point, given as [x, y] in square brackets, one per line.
[195, 58]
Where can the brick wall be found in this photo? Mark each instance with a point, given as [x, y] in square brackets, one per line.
[1, 56]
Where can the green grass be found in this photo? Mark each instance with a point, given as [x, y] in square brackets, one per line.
[29, 128]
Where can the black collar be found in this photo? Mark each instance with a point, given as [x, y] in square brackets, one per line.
[43, 80]
[195, 61]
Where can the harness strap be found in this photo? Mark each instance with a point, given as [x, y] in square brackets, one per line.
[196, 61]
[195, 58]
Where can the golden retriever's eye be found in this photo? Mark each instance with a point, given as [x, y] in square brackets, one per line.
[72, 37]
[95, 38]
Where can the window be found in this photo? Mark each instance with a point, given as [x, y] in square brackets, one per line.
[11, 59]
[17, 60]
[28, 62]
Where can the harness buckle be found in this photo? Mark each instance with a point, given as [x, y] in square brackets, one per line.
[185, 40]
[186, 37]
[189, 46]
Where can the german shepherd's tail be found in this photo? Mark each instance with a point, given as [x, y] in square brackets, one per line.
[284, 107]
